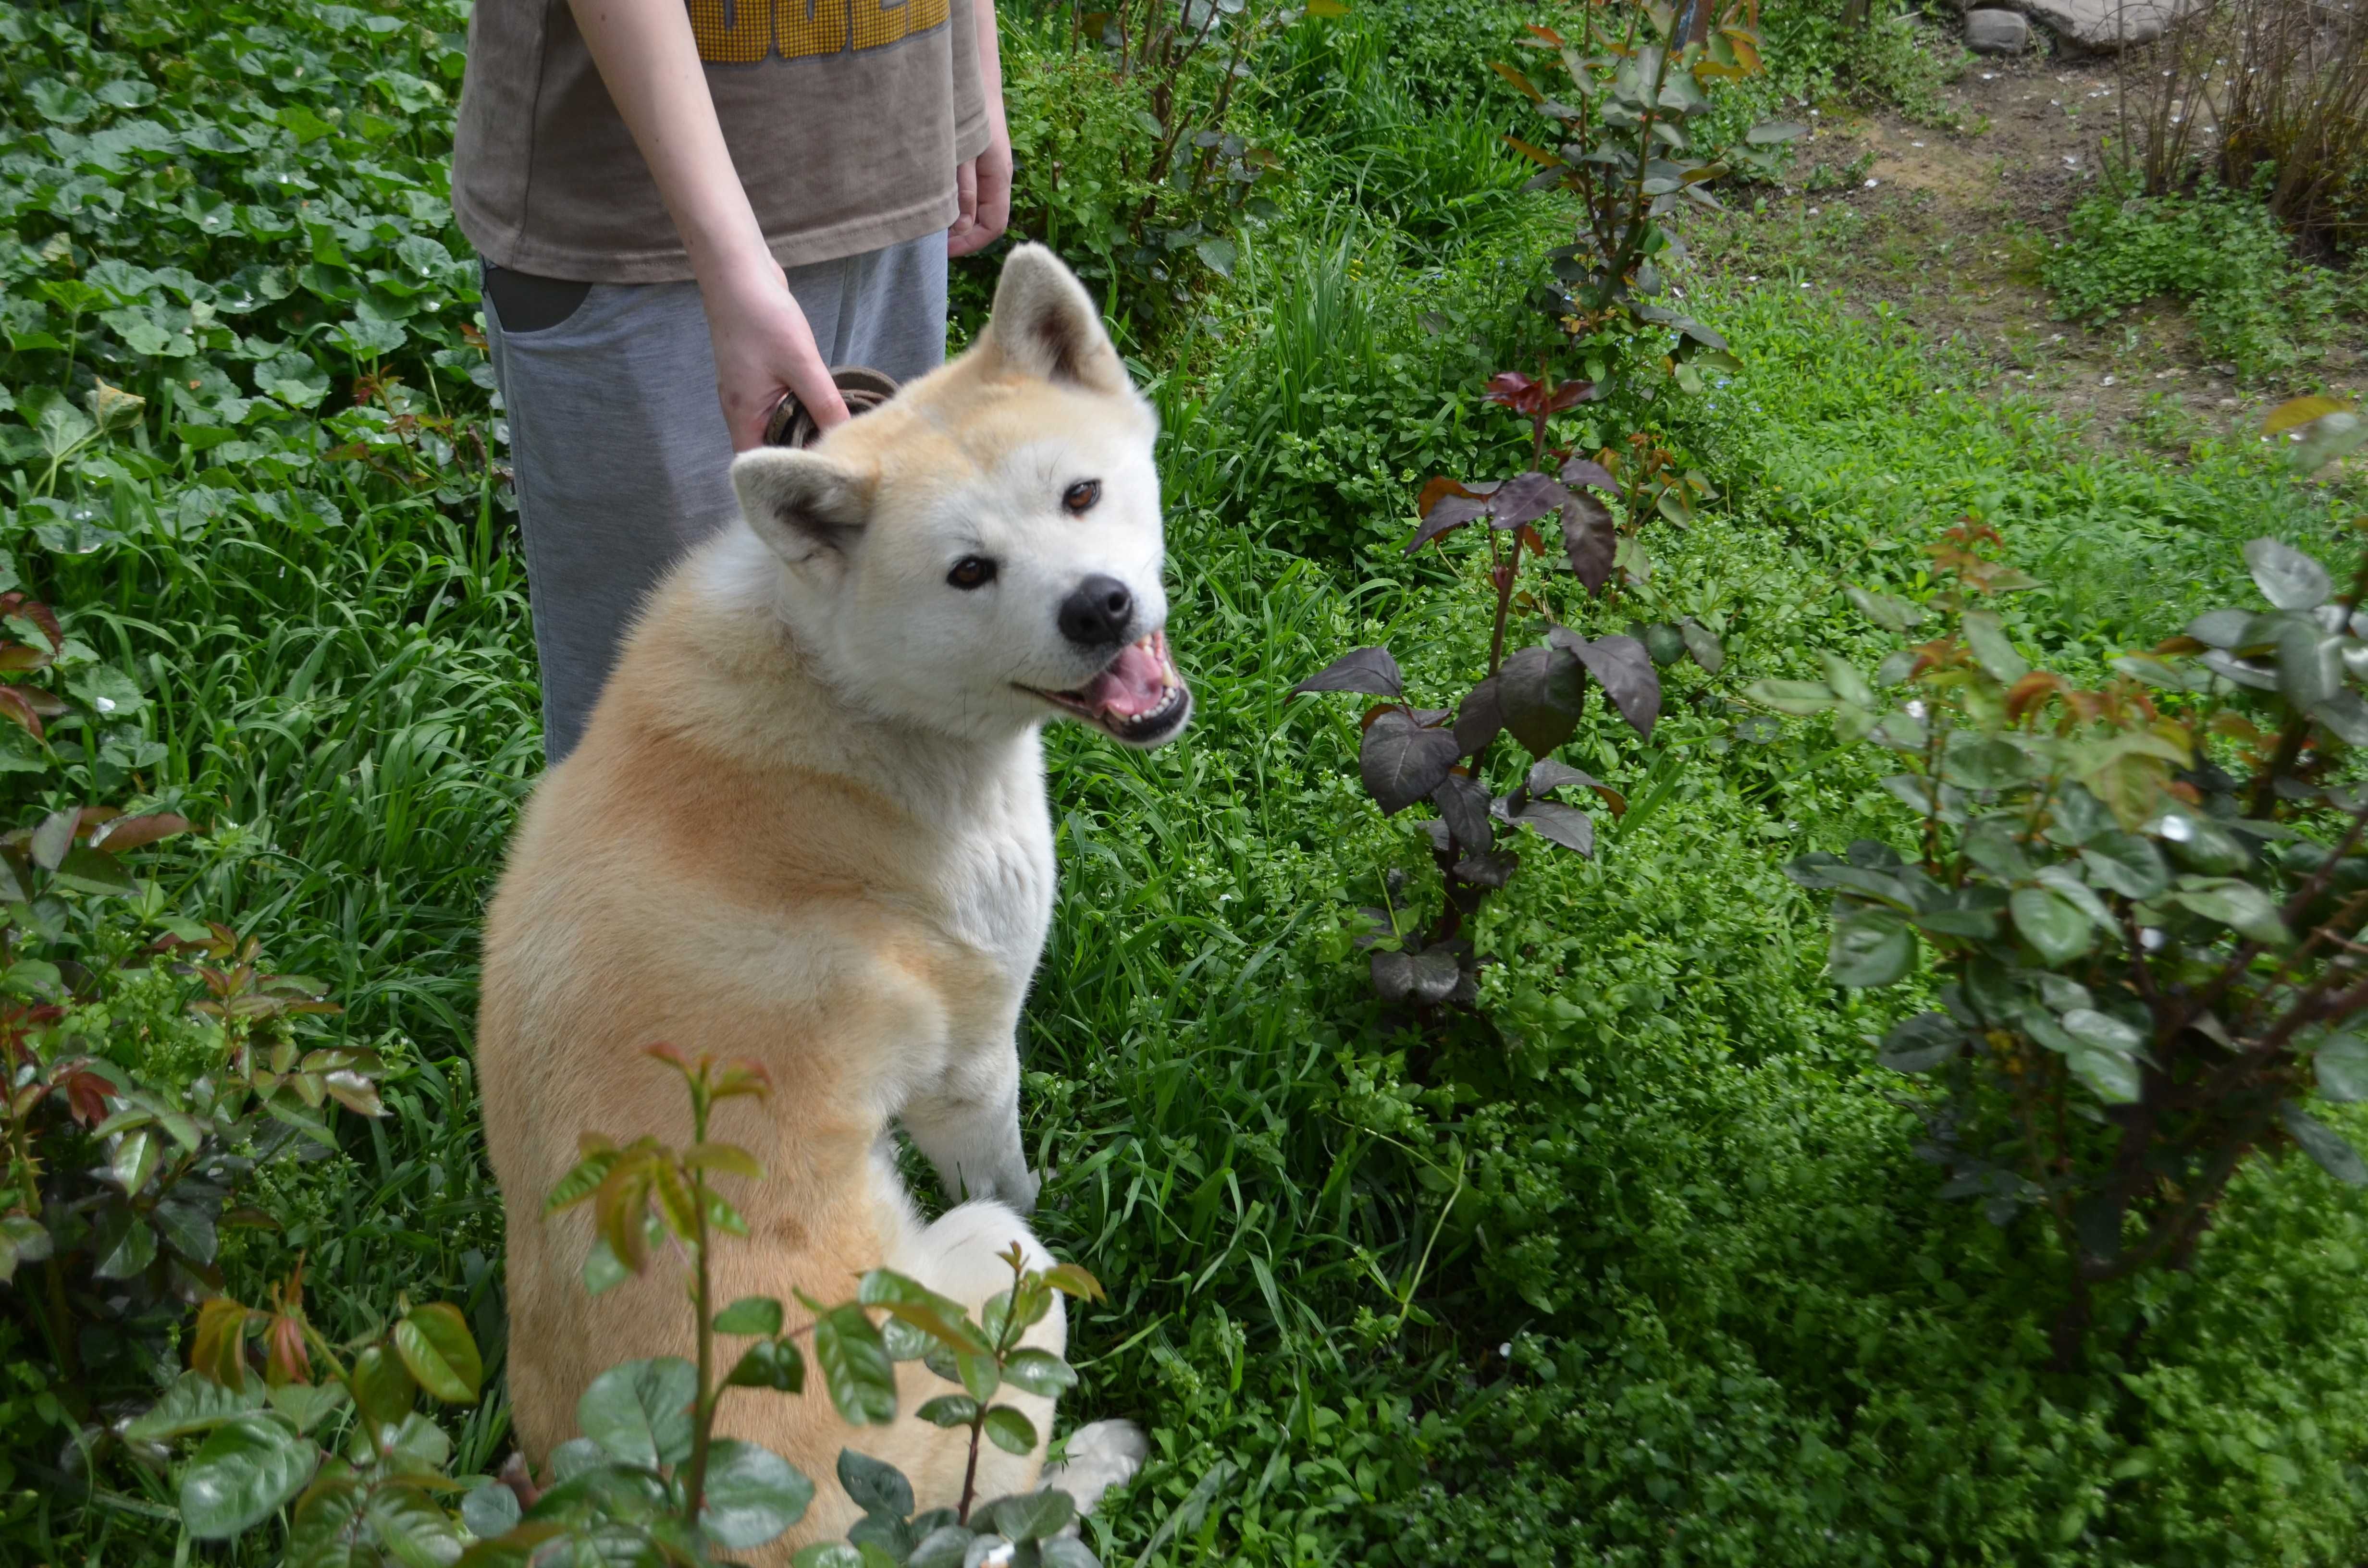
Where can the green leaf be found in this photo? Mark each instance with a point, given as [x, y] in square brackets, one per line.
[1995, 845]
[2051, 923]
[1896, 615]
[107, 691]
[193, 1403]
[753, 1495]
[1974, 761]
[855, 1365]
[322, 1525]
[1922, 1043]
[1796, 697]
[2112, 1078]
[306, 1405]
[750, 1315]
[1843, 679]
[1034, 1515]
[603, 1269]
[419, 1445]
[911, 1302]
[134, 1160]
[411, 1526]
[1039, 1371]
[975, 1373]
[383, 1387]
[2342, 1067]
[774, 1364]
[435, 1343]
[126, 1245]
[2127, 863]
[1009, 1430]
[639, 1412]
[577, 1456]
[2324, 1144]
[837, 1554]
[85, 869]
[1869, 947]
[1986, 635]
[2240, 906]
[1217, 254]
[489, 1510]
[1067, 1551]
[2288, 578]
[876, 1486]
[2065, 881]
[947, 1546]
[949, 1410]
[241, 1475]
[292, 378]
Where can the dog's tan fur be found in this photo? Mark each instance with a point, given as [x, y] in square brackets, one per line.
[756, 853]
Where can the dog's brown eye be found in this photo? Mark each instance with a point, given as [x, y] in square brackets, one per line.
[1080, 497]
[971, 572]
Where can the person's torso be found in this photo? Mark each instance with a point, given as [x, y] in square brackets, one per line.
[845, 120]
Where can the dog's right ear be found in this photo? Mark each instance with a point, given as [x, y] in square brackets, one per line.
[803, 505]
[1045, 325]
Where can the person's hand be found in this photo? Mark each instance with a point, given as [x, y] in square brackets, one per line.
[984, 185]
[763, 348]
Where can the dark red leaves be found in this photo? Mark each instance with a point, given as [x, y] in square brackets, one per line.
[15, 708]
[1588, 472]
[1532, 397]
[1368, 670]
[1589, 540]
[86, 1094]
[1446, 503]
[1541, 692]
[1525, 499]
[1625, 669]
[1479, 719]
[1463, 806]
[1401, 761]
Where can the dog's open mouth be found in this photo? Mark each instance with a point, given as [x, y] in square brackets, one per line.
[1139, 700]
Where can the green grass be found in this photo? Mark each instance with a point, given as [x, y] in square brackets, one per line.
[1643, 1269]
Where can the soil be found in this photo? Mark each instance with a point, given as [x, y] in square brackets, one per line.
[1948, 224]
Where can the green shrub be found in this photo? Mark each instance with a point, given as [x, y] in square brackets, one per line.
[2252, 303]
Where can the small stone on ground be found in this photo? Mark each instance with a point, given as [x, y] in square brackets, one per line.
[1996, 32]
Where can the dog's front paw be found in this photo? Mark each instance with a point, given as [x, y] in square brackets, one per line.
[1100, 1455]
[1020, 1191]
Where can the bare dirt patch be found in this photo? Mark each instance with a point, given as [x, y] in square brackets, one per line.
[1949, 224]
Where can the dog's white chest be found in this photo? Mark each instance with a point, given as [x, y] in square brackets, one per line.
[998, 877]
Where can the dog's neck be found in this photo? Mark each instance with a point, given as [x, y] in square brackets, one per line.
[768, 702]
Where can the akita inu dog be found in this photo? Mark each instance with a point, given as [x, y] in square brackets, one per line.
[807, 824]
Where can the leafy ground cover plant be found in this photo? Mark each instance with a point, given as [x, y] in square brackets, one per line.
[132, 1112]
[2223, 251]
[648, 1480]
[2142, 901]
[1625, 153]
[1537, 695]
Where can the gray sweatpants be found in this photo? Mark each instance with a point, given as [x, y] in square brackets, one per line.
[618, 449]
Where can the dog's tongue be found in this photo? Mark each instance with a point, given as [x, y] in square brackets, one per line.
[1131, 688]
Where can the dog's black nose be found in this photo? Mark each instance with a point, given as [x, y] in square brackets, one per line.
[1098, 613]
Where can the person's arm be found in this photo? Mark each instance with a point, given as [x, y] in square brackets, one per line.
[649, 62]
[984, 182]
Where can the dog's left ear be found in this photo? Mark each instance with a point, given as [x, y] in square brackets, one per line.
[1045, 325]
[806, 506]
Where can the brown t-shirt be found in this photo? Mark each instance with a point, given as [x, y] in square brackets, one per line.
[844, 117]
